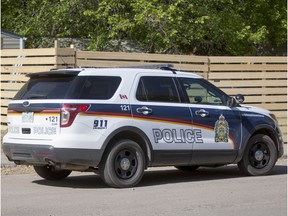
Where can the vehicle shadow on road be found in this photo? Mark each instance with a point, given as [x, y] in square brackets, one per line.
[203, 174]
[159, 176]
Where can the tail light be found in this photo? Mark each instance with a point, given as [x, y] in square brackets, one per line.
[70, 111]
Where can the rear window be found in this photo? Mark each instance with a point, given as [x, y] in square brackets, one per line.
[93, 87]
[45, 88]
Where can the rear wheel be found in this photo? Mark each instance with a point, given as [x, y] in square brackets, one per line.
[123, 166]
[51, 173]
[259, 157]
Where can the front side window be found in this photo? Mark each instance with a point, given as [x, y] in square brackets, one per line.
[157, 89]
[200, 92]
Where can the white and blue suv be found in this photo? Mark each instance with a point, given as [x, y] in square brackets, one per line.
[119, 121]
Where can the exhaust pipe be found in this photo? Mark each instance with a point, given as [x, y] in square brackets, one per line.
[66, 166]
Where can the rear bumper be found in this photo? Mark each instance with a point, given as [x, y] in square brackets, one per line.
[41, 154]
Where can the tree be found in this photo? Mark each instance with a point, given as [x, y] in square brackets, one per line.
[207, 27]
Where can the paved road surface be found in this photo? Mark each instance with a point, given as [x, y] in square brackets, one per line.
[163, 191]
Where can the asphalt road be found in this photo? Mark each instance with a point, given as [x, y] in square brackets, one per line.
[163, 191]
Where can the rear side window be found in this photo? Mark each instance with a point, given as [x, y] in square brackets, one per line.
[94, 87]
[69, 87]
[157, 89]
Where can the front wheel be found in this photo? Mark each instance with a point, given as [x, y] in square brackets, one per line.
[51, 173]
[123, 166]
[259, 157]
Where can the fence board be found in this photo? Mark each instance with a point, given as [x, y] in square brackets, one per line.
[8, 94]
[14, 77]
[140, 57]
[3, 118]
[256, 90]
[248, 75]
[25, 69]
[28, 52]
[3, 127]
[247, 83]
[5, 102]
[282, 121]
[13, 86]
[245, 59]
[273, 106]
[263, 99]
[29, 61]
[248, 67]
[280, 114]
[3, 110]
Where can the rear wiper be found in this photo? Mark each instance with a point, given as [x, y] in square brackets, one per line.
[37, 96]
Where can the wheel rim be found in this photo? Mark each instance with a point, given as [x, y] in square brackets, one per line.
[259, 155]
[125, 164]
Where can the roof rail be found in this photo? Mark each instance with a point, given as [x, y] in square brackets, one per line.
[151, 66]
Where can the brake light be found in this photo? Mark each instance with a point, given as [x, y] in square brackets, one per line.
[70, 111]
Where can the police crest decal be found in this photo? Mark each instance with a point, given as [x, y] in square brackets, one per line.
[221, 130]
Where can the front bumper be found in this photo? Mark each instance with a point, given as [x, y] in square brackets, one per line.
[280, 143]
[42, 154]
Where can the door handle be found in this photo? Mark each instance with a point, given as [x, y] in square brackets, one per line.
[202, 113]
[144, 110]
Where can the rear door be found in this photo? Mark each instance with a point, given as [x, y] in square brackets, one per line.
[158, 111]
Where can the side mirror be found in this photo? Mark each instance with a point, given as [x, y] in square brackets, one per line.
[232, 102]
[239, 98]
[198, 99]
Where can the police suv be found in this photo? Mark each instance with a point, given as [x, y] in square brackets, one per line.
[119, 121]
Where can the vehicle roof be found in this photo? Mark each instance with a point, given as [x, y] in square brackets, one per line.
[112, 72]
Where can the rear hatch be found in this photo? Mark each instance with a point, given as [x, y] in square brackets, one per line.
[34, 113]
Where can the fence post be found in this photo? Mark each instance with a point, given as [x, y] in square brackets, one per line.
[56, 44]
[206, 73]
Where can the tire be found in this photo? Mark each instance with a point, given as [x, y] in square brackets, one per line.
[123, 166]
[259, 157]
[51, 173]
[187, 168]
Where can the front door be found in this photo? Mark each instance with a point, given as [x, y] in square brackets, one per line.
[217, 125]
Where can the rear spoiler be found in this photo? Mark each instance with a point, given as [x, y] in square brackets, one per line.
[54, 73]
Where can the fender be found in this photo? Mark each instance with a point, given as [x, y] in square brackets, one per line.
[263, 127]
[135, 130]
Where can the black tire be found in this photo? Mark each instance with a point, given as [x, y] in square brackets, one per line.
[123, 166]
[51, 173]
[259, 157]
[187, 168]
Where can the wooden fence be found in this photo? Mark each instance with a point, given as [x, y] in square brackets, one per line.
[262, 80]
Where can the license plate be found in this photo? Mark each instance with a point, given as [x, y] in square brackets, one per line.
[27, 117]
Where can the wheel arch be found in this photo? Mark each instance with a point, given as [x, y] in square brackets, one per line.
[261, 129]
[133, 133]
